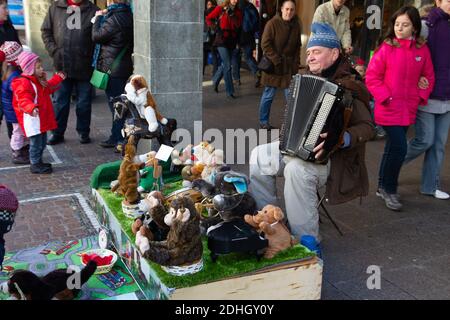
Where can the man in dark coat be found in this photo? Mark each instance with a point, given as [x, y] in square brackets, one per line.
[345, 175]
[67, 35]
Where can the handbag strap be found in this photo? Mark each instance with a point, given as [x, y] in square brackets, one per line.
[118, 59]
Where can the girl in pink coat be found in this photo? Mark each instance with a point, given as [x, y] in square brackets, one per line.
[400, 76]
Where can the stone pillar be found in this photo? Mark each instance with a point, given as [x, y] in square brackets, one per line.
[168, 52]
[35, 12]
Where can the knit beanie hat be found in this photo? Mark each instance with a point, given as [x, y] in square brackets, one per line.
[8, 200]
[323, 35]
[12, 50]
[27, 62]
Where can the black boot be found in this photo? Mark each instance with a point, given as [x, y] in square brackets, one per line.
[20, 156]
[40, 169]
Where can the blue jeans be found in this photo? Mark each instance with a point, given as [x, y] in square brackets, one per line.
[236, 61]
[62, 98]
[224, 70]
[37, 147]
[116, 87]
[431, 138]
[266, 103]
[393, 157]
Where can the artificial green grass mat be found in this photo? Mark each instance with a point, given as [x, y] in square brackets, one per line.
[226, 266]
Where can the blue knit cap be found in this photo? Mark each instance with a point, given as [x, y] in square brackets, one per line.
[323, 35]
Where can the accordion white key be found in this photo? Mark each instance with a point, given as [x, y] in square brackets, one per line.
[312, 103]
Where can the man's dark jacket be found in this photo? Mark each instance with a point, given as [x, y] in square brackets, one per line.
[348, 177]
[71, 49]
[114, 35]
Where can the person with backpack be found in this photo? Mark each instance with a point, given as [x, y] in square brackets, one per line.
[248, 36]
[229, 18]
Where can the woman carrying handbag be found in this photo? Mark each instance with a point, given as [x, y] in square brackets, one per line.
[113, 34]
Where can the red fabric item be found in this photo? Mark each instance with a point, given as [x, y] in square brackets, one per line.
[8, 200]
[360, 62]
[71, 3]
[24, 96]
[100, 261]
[2, 56]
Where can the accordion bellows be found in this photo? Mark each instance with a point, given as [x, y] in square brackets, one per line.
[313, 107]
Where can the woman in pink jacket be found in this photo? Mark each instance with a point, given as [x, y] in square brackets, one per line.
[400, 76]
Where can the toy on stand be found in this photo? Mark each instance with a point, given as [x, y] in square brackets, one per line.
[128, 181]
[181, 253]
[269, 221]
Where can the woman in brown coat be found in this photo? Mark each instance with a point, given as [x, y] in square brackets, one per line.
[281, 43]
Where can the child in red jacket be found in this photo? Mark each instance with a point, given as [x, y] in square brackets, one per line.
[34, 108]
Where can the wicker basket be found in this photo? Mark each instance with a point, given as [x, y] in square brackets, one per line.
[184, 270]
[103, 253]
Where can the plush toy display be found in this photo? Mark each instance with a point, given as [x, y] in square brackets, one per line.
[270, 222]
[151, 174]
[213, 165]
[138, 92]
[191, 173]
[183, 245]
[128, 175]
[25, 285]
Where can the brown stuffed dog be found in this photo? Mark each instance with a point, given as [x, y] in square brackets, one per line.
[270, 221]
[129, 175]
[138, 92]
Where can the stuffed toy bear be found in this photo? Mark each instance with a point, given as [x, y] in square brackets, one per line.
[270, 222]
[128, 175]
[183, 245]
[25, 285]
[138, 92]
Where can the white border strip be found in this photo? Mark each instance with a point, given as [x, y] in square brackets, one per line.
[83, 203]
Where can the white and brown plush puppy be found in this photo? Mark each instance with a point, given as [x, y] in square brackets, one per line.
[25, 285]
[138, 92]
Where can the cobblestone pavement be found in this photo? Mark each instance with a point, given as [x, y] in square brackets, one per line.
[410, 247]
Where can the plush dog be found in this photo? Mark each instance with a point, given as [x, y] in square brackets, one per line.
[183, 244]
[270, 222]
[138, 92]
[25, 285]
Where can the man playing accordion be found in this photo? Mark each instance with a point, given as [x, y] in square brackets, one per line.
[345, 175]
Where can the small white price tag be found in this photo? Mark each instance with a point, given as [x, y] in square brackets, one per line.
[164, 153]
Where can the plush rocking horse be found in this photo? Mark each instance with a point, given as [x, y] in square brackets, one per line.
[142, 118]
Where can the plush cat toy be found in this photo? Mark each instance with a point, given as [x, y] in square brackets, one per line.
[138, 92]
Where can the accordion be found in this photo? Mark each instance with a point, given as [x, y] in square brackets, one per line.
[314, 107]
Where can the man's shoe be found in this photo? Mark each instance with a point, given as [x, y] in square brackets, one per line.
[55, 139]
[48, 165]
[216, 87]
[107, 144]
[440, 195]
[84, 139]
[231, 96]
[40, 169]
[391, 200]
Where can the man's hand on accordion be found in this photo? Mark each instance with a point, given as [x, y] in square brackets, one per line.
[319, 149]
